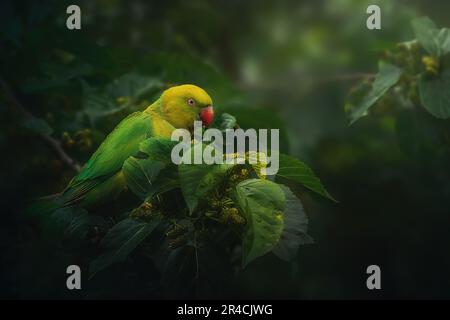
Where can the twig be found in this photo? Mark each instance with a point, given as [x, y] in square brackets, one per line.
[315, 80]
[349, 77]
[53, 143]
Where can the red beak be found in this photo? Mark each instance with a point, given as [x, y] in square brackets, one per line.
[207, 116]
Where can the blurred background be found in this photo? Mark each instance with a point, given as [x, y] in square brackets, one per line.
[283, 64]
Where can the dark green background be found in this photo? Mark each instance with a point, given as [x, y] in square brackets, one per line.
[256, 59]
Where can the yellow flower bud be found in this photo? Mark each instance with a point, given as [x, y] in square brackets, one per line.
[431, 64]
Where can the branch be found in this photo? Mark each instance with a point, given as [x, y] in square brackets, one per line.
[349, 77]
[315, 81]
[52, 143]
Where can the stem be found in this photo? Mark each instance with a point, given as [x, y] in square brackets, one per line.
[349, 77]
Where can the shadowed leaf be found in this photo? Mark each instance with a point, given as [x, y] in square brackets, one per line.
[294, 229]
[435, 94]
[263, 204]
[387, 77]
[121, 240]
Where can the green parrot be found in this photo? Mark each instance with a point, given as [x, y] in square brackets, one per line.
[102, 178]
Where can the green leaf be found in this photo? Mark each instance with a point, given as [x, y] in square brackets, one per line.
[387, 77]
[444, 40]
[435, 94]
[295, 227]
[57, 75]
[225, 121]
[158, 148]
[152, 175]
[197, 180]
[132, 85]
[297, 171]
[425, 30]
[64, 217]
[96, 105]
[141, 175]
[37, 125]
[357, 93]
[435, 41]
[79, 226]
[258, 162]
[167, 180]
[75, 222]
[263, 204]
[121, 240]
[117, 95]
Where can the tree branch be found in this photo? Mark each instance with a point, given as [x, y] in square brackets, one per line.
[314, 81]
[51, 142]
[349, 77]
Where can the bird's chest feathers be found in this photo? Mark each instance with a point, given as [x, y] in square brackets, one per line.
[161, 127]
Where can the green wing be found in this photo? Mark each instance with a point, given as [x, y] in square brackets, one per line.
[107, 161]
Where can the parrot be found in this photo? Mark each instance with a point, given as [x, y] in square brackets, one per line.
[102, 178]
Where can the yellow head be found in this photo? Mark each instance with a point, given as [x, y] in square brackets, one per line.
[182, 105]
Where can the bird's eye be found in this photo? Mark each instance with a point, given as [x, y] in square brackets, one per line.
[191, 102]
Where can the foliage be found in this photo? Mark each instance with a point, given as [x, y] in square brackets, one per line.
[217, 197]
[411, 91]
[295, 170]
[263, 204]
[173, 214]
[285, 65]
[415, 75]
[183, 206]
[384, 80]
[120, 241]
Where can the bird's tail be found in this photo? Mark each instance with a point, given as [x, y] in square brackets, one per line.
[44, 212]
[42, 208]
